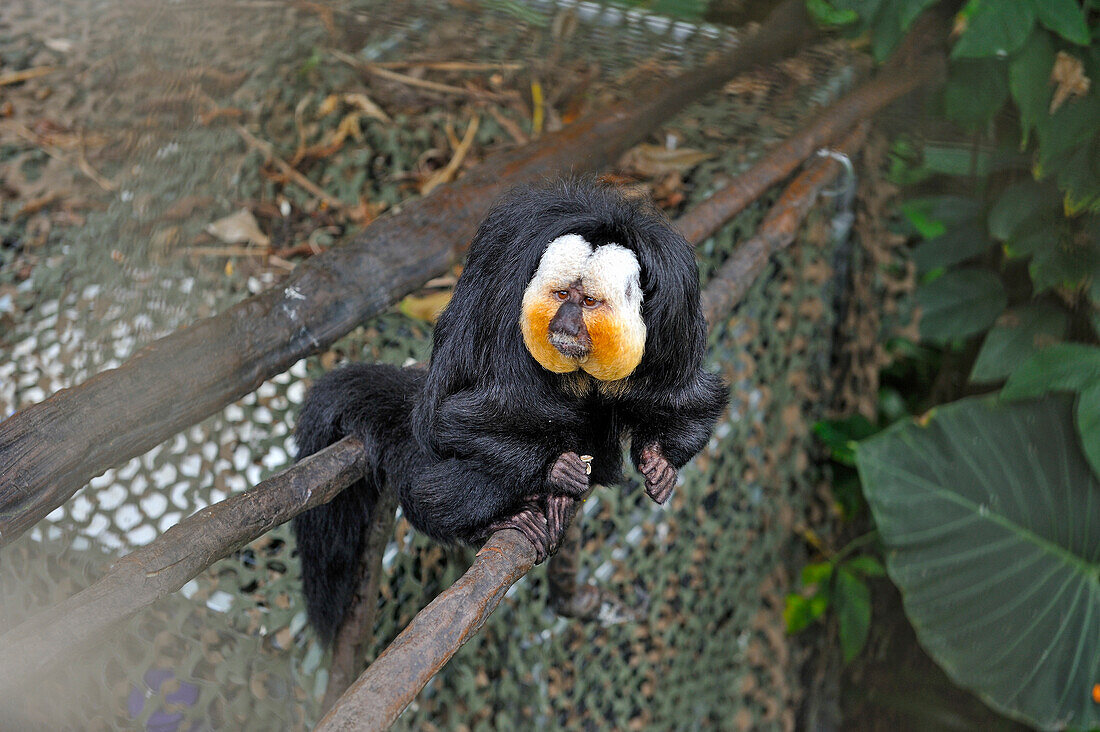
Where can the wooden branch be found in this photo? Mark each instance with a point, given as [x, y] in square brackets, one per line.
[51, 449]
[354, 638]
[893, 82]
[383, 691]
[732, 280]
[163, 566]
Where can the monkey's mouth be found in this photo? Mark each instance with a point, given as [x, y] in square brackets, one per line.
[570, 346]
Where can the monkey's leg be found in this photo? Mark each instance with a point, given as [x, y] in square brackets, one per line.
[660, 476]
[530, 521]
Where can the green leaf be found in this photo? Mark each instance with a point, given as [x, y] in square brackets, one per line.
[996, 28]
[796, 613]
[960, 304]
[957, 245]
[1066, 264]
[1088, 424]
[1029, 81]
[931, 215]
[853, 612]
[989, 513]
[1064, 367]
[1018, 334]
[827, 15]
[910, 10]
[1067, 130]
[817, 573]
[1037, 234]
[975, 91]
[865, 565]
[1019, 202]
[886, 32]
[1064, 17]
[951, 159]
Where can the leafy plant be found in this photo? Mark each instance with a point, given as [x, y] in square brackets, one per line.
[990, 512]
[838, 584]
[989, 509]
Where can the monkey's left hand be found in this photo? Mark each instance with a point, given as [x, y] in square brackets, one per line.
[660, 476]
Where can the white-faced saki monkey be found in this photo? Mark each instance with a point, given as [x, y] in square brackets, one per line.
[575, 324]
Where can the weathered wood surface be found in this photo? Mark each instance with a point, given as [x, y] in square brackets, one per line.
[51, 449]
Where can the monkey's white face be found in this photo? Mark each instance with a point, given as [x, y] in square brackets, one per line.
[583, 309]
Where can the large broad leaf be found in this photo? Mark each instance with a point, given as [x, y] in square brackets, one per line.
[1018, 335]
[1064, 17]
[991, 519]
[959, 243]
[996, 28]
[1029, 80]
[1020, 202]
[975, 91]
[959, 304]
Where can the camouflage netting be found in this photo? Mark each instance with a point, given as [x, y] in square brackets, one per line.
[81, 289]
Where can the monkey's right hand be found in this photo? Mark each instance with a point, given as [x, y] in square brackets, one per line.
[569, 475]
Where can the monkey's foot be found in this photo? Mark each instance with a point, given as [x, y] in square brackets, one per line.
[660, 476]
[530, 522]
[569, 474]
[559, 512]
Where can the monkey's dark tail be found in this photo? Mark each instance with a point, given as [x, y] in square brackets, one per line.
[330, 537]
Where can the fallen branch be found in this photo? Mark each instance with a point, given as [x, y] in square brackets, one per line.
[163, 566]
[287, 169]
[51, 449]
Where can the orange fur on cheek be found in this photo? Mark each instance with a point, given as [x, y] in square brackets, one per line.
[535, 324]
[616, 350]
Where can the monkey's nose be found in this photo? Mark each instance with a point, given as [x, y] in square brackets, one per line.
[567, 332]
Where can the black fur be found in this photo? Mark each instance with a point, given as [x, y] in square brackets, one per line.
[464, 442]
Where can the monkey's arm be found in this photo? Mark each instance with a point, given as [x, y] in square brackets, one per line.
[671, 428]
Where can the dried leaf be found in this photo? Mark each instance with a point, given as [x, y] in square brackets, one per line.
[238, 227]
[363, 102]
[426, 307]
[1069, 79]
[656, 160]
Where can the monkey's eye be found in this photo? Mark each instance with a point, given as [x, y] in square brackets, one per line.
[562, 295]
[591, 302]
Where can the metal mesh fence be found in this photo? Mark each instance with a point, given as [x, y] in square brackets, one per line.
[707, 574]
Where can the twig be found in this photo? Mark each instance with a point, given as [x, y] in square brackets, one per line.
[16, 77]
[448, 172]
[384, 73]
[448, 65]
[286, 168]
[163, 566]
[56, 153]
